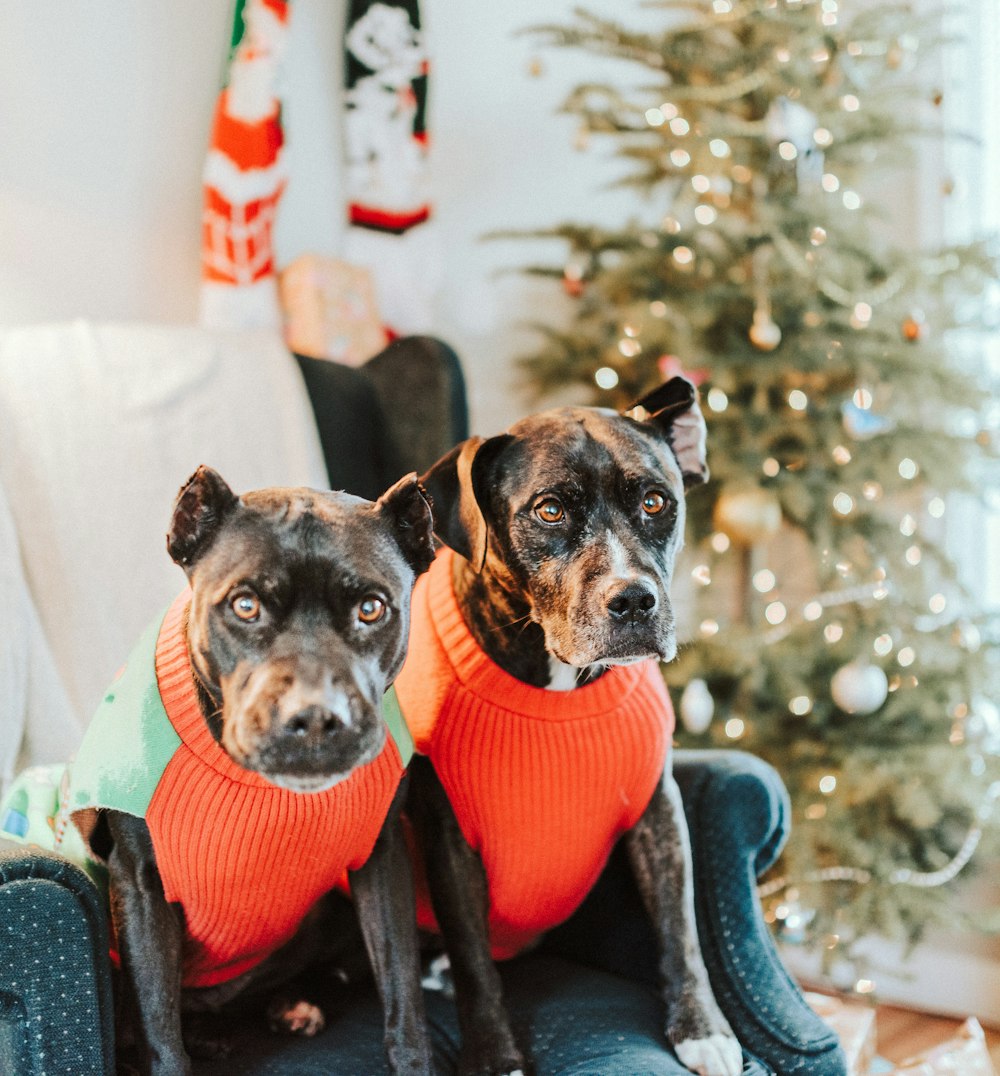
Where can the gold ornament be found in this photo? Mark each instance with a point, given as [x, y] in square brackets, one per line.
[765, 335]
[747, 514]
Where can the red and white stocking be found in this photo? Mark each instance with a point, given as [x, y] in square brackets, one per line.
[244, 175]
[385, 135]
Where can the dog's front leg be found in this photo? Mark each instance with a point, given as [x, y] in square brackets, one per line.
[383, 895]
[660, 853]
[150, 935]
[460, 895]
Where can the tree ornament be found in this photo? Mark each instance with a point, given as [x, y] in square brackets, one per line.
[863, 423]
[912, 330]
[859, 688]
[747, 514]
[697, 707]
[573, 274]
[765, 334]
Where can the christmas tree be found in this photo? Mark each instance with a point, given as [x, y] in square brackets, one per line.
[831, 633]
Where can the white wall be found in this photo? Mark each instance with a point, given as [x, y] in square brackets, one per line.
[106, 110]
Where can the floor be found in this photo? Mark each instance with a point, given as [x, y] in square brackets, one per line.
[902, 1033]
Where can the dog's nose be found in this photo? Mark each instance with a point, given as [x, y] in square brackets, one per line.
[314, 723]
[632, 602]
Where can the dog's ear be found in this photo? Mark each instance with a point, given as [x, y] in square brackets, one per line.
[457, 484]
[409, 510]
[203, 503]
[672, 409]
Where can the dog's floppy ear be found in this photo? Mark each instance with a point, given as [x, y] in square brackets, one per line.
[457, 484]
[408, 509]
[673, 410]
[203, 502]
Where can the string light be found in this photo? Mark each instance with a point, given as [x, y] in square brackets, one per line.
[828, 784]
[702, 184]
[606, 378]
[683, 255]
[871, 491]
[913, 555]
[709, 628]
[935, 507]
[655, 118]
[817, 236]
[718, 147]
[937, 603]
[833, 633]
[705, 214]
[843, 503]
[830, 183]
[670, 110]
[851, 200]
[679, 125]
[680, 158]
[629, 347]
[813, 611]
[717, 400]
[850, 103]
[658, 308]
[719, 542]
[907, 526]
[907, 468]
[775, 613]
[771, 467]
[841, 454]
[735, 727]
[702, 574]
[883, 645]
[797, 400]
[822, 137]
[800, 705]
[764, 581]
[862, 313]
[787, 151]
[906, 657]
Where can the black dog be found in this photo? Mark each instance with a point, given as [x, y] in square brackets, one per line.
[566, 530]
[275, 666]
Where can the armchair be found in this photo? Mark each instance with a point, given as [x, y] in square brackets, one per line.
[583, 1002]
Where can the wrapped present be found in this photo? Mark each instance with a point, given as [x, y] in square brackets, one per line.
[964, 1054]
[855, 1027]
[330, 310]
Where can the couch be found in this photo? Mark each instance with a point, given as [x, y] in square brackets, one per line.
[99, 426]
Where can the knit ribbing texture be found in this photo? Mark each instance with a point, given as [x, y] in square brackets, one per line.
[543, 783]
[246, 859]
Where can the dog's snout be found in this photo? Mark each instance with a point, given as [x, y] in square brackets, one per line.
[314, 723]
[632, 602]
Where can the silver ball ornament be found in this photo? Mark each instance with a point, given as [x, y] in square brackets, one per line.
[697, 707]
[859, 688]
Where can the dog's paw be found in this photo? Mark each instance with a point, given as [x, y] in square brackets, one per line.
[296, 1016]
[718, 1055]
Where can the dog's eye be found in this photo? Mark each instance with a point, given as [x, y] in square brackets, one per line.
[653, 503]
[371, 610]
[246, 606]
[549, 511]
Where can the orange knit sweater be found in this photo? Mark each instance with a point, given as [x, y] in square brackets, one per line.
[542, 782]
[244, 858]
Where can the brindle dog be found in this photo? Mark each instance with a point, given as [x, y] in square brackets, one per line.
[298, 622]
[568, 527]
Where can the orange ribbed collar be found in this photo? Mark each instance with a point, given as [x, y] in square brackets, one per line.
[482, 676]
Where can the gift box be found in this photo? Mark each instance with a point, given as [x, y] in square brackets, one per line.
[964, 1054]
[330, 310]
[855, 1027]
